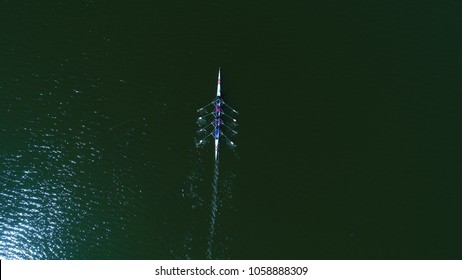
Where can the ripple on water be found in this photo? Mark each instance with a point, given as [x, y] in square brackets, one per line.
[61, 196]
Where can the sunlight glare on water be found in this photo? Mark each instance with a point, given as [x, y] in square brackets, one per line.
[57, 185]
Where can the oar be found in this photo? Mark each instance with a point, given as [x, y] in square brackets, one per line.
[202, 117]
[198, 110]
[229, 141]
[231, 118]
[201, 141]
[232, 130]
[236, 112]
[204, 128]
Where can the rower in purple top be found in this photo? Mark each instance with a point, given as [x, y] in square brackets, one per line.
[217, 122]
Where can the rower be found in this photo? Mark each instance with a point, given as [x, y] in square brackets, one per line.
[218, 103]
[217, 107]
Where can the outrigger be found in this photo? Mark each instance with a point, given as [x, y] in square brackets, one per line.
[218, 124]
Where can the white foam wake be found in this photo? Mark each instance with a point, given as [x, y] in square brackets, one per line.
[213, 210]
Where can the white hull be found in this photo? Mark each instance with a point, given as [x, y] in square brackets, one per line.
[218, 95]
[219, 84]
[216, 149]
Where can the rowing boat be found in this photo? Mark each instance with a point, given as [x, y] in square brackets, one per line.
[213, 115]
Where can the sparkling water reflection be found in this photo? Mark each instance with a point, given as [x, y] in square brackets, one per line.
[61, 196]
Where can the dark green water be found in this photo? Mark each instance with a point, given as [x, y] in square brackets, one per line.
[348, 144]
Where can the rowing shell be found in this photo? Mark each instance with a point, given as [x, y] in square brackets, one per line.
[216, 134]
[217, 122]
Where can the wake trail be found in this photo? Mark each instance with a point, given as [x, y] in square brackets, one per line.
[213, 210]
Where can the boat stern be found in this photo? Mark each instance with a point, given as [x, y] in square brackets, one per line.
[216, 149]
